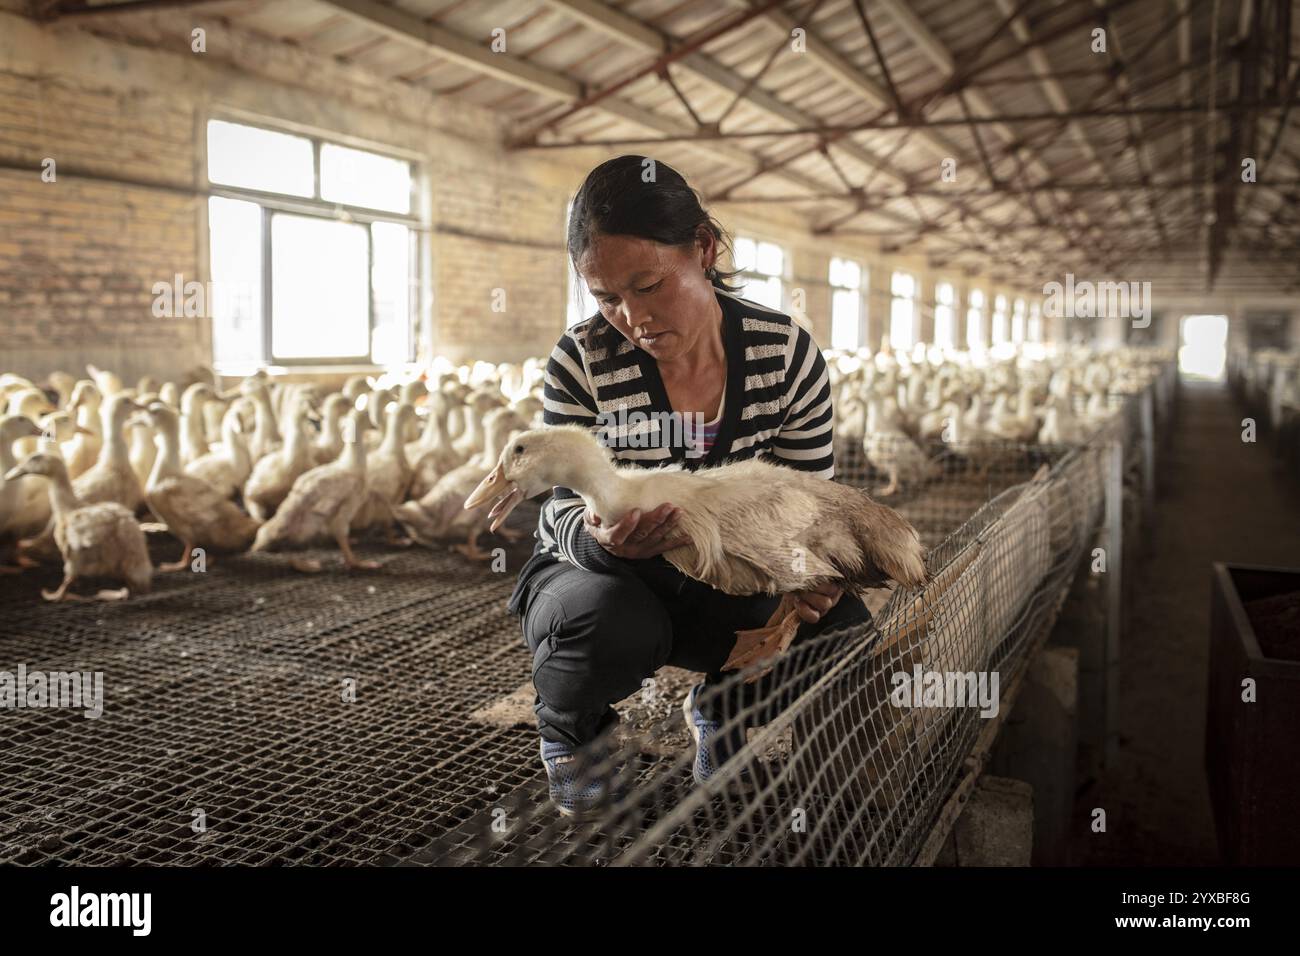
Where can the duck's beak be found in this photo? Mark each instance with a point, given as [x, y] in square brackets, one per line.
[503, 494]
[16, 472]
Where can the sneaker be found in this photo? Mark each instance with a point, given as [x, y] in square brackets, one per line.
[713, 748]
[579, 788]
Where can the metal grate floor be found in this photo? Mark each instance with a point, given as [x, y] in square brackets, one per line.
[224, 704]
[226, 736]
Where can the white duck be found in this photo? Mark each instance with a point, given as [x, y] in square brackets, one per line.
[193, 510]
[227, 466]
[96, 540]
[753, 527]
[142, 449]
[273, 475]
[388, 473]
[111, 477]
[431, 456]
[16, 519]
[479, 403]
[890, 449]
[322, 503]
[1018, 425]
[83, 451]
[329, 443]
[266, 430]
[1060, 427]
[194, 436]
[439, 514]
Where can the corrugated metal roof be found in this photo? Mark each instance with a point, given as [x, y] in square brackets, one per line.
[1044, 208]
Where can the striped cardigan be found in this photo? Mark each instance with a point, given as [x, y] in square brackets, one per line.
[777, 403]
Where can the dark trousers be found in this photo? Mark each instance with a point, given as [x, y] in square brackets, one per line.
[595, 637]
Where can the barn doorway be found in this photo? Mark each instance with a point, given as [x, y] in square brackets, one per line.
[1203, 346]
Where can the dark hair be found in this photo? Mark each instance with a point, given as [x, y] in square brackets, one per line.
[641, 197]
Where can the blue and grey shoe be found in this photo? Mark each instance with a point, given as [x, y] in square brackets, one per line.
[713, 747]
[580, 787]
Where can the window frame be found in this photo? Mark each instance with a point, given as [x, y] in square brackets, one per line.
[753, 274]
[576, 292]
[912, 299]
[859, 290]
[1034, 323]
[1004, 314]
[1019, 320]
[271, 202]
[975, 329]
[950, 308]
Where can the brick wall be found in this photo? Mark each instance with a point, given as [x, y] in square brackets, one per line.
[78, 257]
[499, 221]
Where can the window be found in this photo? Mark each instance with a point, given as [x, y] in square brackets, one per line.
[902, 310]
[581, 304]
[945, 315]
[846, 304]
[1034, 333]
[1018, 321]
[975, 319]
[312, 250]
[762, 266]
[1001, 333]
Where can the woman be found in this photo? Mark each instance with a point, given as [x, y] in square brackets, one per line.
[674, 368]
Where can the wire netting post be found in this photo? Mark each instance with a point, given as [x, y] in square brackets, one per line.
[1148, 451]
[1114, 590]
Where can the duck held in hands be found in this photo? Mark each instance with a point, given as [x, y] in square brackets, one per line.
[753, 527]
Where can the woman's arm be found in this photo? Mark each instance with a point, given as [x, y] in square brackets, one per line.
[807, 442]
[807, 437]
[567, 400]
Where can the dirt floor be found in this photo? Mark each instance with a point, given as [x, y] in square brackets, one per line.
[1219, 499]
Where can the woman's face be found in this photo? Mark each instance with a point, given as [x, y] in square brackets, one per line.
[656, 295]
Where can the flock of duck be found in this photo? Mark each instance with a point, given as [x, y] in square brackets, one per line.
[271, 466]
[264, 467]
[897, 405]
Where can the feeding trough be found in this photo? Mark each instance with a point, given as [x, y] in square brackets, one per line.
[1253, 712]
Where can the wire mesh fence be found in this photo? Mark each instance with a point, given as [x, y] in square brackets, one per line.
[838, 767]
[1267, 383]
[945, 482]
[255, 715]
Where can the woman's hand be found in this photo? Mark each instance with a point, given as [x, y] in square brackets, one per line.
[636, 535]
[814, 602]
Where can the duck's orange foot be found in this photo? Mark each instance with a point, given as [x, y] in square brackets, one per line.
[764, 643]
[473, 552]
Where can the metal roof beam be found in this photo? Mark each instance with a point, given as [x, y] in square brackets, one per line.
[411, 30]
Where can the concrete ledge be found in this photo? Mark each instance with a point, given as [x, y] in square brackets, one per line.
[995, 828]
[1038, 745]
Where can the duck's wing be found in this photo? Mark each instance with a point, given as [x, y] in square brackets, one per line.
[436, 514]
[210, 516]
[752, 534]
[315, 497]
[87, 527]
[324, 490]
